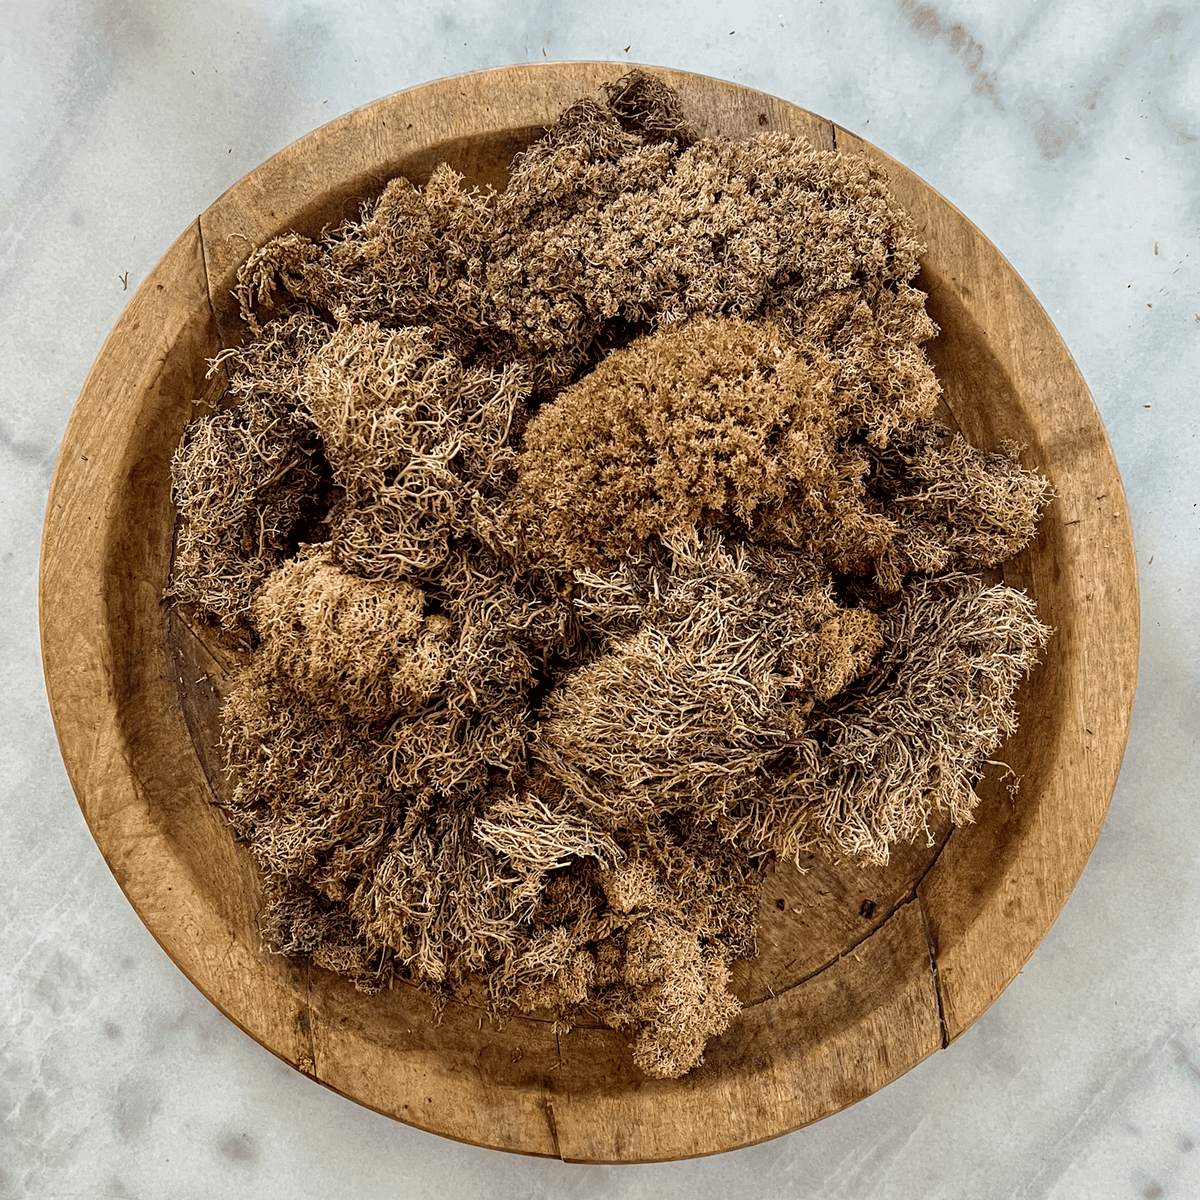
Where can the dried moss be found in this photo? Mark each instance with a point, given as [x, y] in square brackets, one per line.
[545, 510]
[589, 232]
[415, 258]
[502, 630]
[689, 710]
[645, 943]
[311, 795]
[646, 105]
[343, 643]
[418, 445]
[959, 506]
[909, 740]
[442, 902]
[297, 921]
[711, 419]
[249, 479]
[671, 991]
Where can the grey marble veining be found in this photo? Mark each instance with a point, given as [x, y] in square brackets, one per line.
[1068, 131]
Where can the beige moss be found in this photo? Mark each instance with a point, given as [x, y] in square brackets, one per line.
[670, 993]
[713, 686]
[711, 419]
[247, 479]
[310, 791]
[963, 507]
[908, 743]
[416, 257]
[417, 443]
[593, 229]
[585, 532]
[344, 643]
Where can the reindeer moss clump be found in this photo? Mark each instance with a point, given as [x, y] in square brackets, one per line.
[418, 444]
[248, 479]
[691, 709]
[716, 419]
[594, 543]
[341, 642]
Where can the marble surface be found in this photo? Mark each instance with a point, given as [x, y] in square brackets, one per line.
[1066, 129]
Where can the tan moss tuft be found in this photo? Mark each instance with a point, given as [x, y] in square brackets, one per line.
[443, 903]
[696, 704]
[248, 479]
[344, 643]
[874, 334]
[527, 831]
[416, 258]
[295, 920]
[672, 994]
[707, 420]
[960, 506]
[310, 794]
[908, 741]
[417, 442]
[646, 105]
[501, 630]
[656, 235]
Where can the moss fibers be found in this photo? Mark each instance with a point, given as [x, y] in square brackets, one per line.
[595, 544]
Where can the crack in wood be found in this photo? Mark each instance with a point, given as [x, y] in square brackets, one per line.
[212, 308]
[931, 942]
[906, 899]
[548, 1104]
[305, 1022]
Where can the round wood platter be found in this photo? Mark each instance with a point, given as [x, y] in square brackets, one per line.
[862, 973]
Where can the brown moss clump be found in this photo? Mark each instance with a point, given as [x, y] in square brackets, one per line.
[593, 230]
[874, 332]
[502, 631]
[959, 506]
[644, 104]
[442, 902]
[418, 445]
[738, 422]
[672, 992]
[597, 544]
[362, 739]
[704, 421]
[645, 942]
[688, 711]
[310, 792]
[416, 257]
[683, 906]
[524, 828]
[296, 920]
[247, 480]
[344, 643]
[908, 741]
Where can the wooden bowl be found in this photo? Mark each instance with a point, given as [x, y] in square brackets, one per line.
[862, 972]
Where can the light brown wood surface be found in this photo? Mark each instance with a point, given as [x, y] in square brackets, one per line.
[862, 972]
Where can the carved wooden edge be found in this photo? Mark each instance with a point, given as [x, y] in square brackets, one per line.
[146, 819]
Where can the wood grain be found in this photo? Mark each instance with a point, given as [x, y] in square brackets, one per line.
[845, 995]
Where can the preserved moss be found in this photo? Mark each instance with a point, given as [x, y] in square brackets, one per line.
[596, 544]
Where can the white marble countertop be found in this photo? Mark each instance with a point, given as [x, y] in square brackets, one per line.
[1066, 129]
